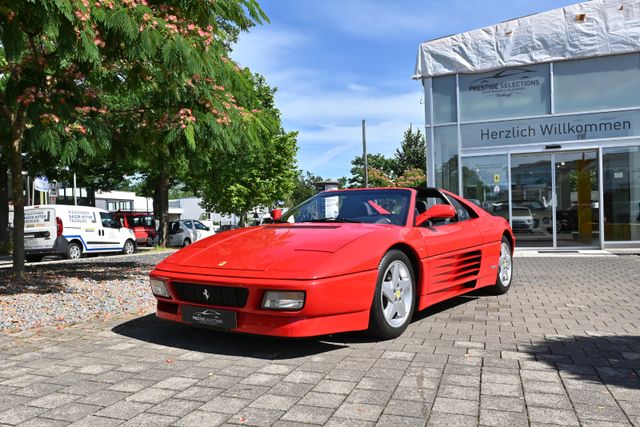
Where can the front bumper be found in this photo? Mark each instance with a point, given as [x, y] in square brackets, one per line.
[336, 304]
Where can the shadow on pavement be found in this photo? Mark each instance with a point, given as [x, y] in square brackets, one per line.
[153, 330]
[613, 359]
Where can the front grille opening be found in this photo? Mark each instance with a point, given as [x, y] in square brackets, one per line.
[168, 307]
[222, 296]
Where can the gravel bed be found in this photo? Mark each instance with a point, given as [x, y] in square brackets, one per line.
[61, 294]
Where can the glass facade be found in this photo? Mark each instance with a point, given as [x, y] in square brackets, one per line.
[511, 92]
[444, 100]
[597, 83]
[553, 147]
[445, 153]
[621, 188]
[485, 180]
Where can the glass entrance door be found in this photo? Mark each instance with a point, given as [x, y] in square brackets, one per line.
[555, 199]
[577, 196]
[531, 199]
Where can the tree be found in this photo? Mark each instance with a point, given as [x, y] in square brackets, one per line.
[303, 188]
[246, 179]
[411, 178]
[198, 110]
[374, 161]
[52, 53]
[412, 152]
[79, 75]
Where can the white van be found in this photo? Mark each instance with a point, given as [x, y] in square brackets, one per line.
[73, 231]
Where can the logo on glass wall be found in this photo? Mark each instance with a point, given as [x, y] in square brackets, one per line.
[506, 83]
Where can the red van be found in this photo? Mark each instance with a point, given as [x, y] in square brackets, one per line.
[143, 225]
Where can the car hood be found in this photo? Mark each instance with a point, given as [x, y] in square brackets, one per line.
[275, 247]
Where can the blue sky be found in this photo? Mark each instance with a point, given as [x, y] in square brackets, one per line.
[336, 62]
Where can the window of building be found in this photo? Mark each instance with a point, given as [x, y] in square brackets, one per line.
[597, 83]
[445, 156]
[510, 92]
[485, 182]
[444, 99]
[621, 174]
[123, 205]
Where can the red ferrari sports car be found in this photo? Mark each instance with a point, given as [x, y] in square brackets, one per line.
[344, 260]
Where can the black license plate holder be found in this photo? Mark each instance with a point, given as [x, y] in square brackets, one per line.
[209, 317]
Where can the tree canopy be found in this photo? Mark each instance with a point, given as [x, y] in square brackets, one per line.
[146, 85]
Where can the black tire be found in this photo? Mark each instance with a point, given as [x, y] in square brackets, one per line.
[129, 247]
[379, 325]
[74, 251]
[186, 243]
[33, 258]
[503, 283]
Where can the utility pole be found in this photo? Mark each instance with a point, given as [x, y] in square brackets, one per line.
[364, 155]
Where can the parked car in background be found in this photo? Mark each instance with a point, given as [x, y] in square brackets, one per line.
[227, 227]
[143, 225]
[522, 218]
[186, 231]
[72, 231]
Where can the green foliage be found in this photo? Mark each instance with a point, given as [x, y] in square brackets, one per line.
[303, 188]
[412, 152]
[374, 161]
[151, 82]
[246, 179]
[406, 167]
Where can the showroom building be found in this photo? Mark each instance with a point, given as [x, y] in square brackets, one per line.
[538, 120]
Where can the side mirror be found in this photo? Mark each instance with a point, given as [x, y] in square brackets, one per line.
[207, 228]
[276, 214]
[437, 212]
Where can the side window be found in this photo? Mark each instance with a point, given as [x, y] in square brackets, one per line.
[199, 225]
[174, 227]
[108, 221]
[462, 214]
[188, 224]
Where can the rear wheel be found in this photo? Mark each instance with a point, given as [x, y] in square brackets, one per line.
[186, 242]
[394, 296]
[74, 251]
[505, 268]
[129, 247]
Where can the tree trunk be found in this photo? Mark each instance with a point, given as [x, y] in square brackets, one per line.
[161, 207]
[4, 209]
[18, 198]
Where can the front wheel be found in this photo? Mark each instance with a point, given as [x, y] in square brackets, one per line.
[394, 296]
[186, 243]
[129, 247]
[505, 268]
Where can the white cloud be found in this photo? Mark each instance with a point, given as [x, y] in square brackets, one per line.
[343, 106]
[264, 47]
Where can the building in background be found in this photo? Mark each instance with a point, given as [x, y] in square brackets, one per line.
[538, 120]
[191, 209]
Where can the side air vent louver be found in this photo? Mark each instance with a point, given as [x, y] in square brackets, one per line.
[460, 269]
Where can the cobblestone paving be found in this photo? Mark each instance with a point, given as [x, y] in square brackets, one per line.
[563, 348]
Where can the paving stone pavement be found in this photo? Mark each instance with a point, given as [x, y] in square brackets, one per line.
[561, 348]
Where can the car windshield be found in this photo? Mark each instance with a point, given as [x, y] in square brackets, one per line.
[370, 206]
